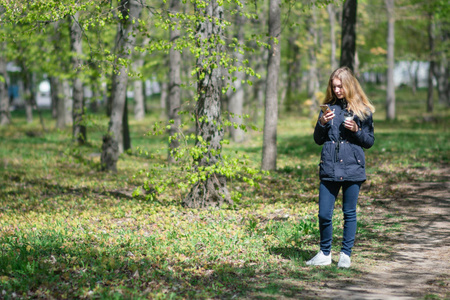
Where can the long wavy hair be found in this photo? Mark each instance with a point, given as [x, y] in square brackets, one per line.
[357, 100]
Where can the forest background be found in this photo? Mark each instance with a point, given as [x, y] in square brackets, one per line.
[100, 194]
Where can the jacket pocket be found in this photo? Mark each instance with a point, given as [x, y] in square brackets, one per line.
[326, 169]
[359, 156]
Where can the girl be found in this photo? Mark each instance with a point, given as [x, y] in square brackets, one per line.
[343, 130]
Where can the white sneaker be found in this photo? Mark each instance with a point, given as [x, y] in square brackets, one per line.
[344, 261]
[320, 260]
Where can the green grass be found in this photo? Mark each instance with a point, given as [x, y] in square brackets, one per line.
[68, 230]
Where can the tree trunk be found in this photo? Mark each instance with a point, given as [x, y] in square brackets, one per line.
[67, 101]
[55, 85]
[108, 98]
[236, 99]
[126, 128]
[390, 85]
[441, 74]
[313, 79]
[174, 94]
[211, 191]
[113, 141]
[164, 98]
[260, 63]
[58, 101]
[28, 94]
[139, 107]
[431, 38]
[54, 95]
[293, 70]
[348, 38]
[441, 70]
[79, 128]
[139, 97]
[4, 99]
[269, 152]
[332, 19]
[96, 95]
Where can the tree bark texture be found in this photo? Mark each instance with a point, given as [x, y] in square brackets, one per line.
[213, 190]
[4, 99]
[390, 86]
[348, 38]
[332, 19]
[431, 42]
[269, 152]
[79, 128]
[236, 99]
[113, 144]
[174, 94]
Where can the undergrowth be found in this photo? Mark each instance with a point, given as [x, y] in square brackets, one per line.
[68, 230]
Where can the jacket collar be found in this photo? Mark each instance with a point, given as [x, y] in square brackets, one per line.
[342, 103]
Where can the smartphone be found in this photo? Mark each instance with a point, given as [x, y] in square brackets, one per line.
[324, 108]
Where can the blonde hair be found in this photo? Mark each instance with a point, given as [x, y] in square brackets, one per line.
[357, 100]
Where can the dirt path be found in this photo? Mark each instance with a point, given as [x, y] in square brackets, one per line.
[418, 266]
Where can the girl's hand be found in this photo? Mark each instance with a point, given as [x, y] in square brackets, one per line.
[327, 117]
[351, 125]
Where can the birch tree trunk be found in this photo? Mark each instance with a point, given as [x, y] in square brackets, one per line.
[390, 85]
[348, 38]
[269, 151]
[79, 129]
[113, 144]
[174, 94]
[211, 191]
[236, 99]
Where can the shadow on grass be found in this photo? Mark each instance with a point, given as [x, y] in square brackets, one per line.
[49, 264]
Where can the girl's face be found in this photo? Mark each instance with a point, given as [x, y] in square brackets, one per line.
[338, 90]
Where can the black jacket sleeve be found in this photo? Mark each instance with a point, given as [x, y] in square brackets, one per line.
[320, 132]
[365, 137]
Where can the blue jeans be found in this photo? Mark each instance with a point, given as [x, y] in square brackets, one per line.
[328, 192]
